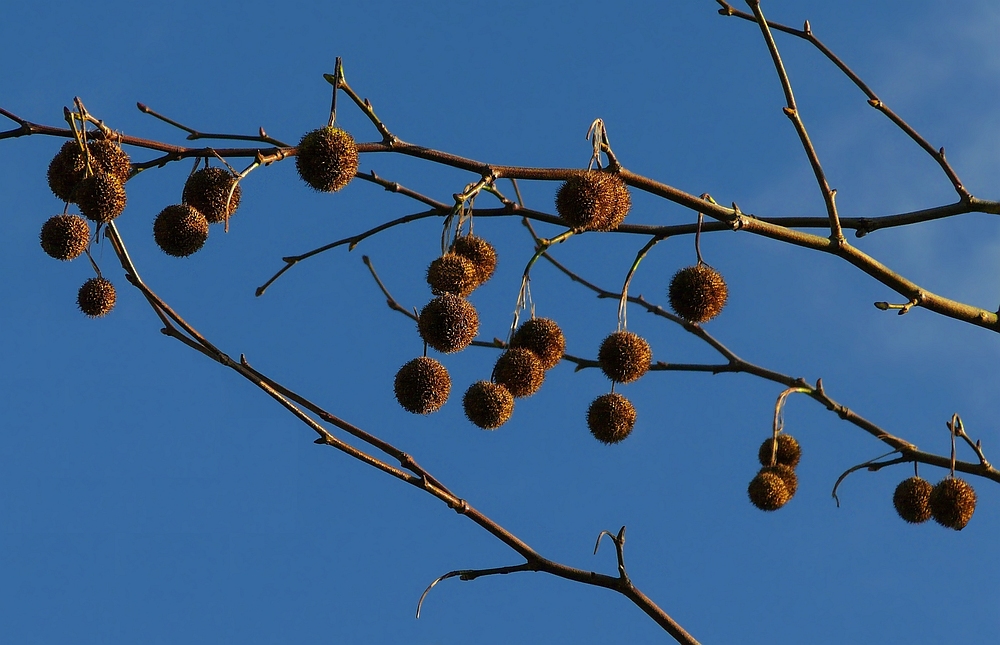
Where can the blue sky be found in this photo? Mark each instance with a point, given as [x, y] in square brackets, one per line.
[150, 495]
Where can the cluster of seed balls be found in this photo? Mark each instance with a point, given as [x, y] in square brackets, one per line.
[951, 502]
[776, 483]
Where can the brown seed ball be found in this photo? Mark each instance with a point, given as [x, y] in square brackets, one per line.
[596, 200]
[520, 371]
[69, 167]
[207, 191]
[422, 385]
[488, 405]
[101, 197]
[480, 252]
[543, 337]
[624, 356]
[952, 503]
[452, 273]
[180, 230]
[787, 475]
[327, 159]
[768, 491]
[912, 500]
[698, 293]
[789, 451]
[65, 237]
[448, 323]
[96, 297]
[611, 418]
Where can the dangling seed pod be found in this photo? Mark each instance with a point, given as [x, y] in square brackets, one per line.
[768, 491]
[327, 159]
[448, 323]
[422, 385]
[480, 252]
[180, 230]
[488, 405]
[520, 371]
[65, 237]
[96, 297]
[207, 191]
[787, 475]
[698, 293]
[912, 500]
[953, 501]
[452, 273]
[611, 418]
[543, 337]
[69, 167]
[101, 197]
[789, 451]
[624, 356]
[596, 200]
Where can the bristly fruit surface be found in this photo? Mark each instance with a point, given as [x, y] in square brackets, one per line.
[611, 418]
[768, 491]
[65, 237]
[543, 337]
[520, 371]
[488, 405]
[327, 159]
[101, 197]
[96, 297]
[595, 200]
[912, 500]
[452, 273]
[448, 323]
[624, 357]
[180, 230]
[698, 293]
[422, 385]
[478, 251]
[207, 191]
[788, 454]
[953, 501]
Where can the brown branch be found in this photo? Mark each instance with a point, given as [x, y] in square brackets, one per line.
[195, 134]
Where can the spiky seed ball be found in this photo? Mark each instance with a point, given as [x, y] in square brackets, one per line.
[448, 323]
[327, 159]
[180, 230]
[101, 197]
[452, 273]
[611, 418]
[789, 451]
[96, 297]
[768, 491]
[480, 252]
[422, 385]
[208, 192]
[68, 168]
[596, 200]
[520, 371]
[65, 237]
[624, 356]
[952, 503]
[787, 475]
[543, 337]
[698, 293]
[488, 405]
[912, 500]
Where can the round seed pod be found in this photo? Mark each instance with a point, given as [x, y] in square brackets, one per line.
[768, 491]
[624, 356]
[952, 503]
[787, 475]
[480, 252]
[65, 237]
[101, 197]
[69, 167]
[208, 192]
[488, 405]
[327, 159]
[180, 230]
[452, 273]
[520, 371]
[595, 200]
[448, 323]
[611, 418]
[789, 451]
[543, 337]
[912, 500]
[96, 297]
[422, 385]
[698, 293]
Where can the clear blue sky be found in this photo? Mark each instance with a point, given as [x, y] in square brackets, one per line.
[148, 495]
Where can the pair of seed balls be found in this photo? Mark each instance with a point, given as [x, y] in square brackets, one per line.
[624, 357]
[92, 176]
[65, 237]
[951, 502]
[210, 196]
[776, 483]
[468, 264]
